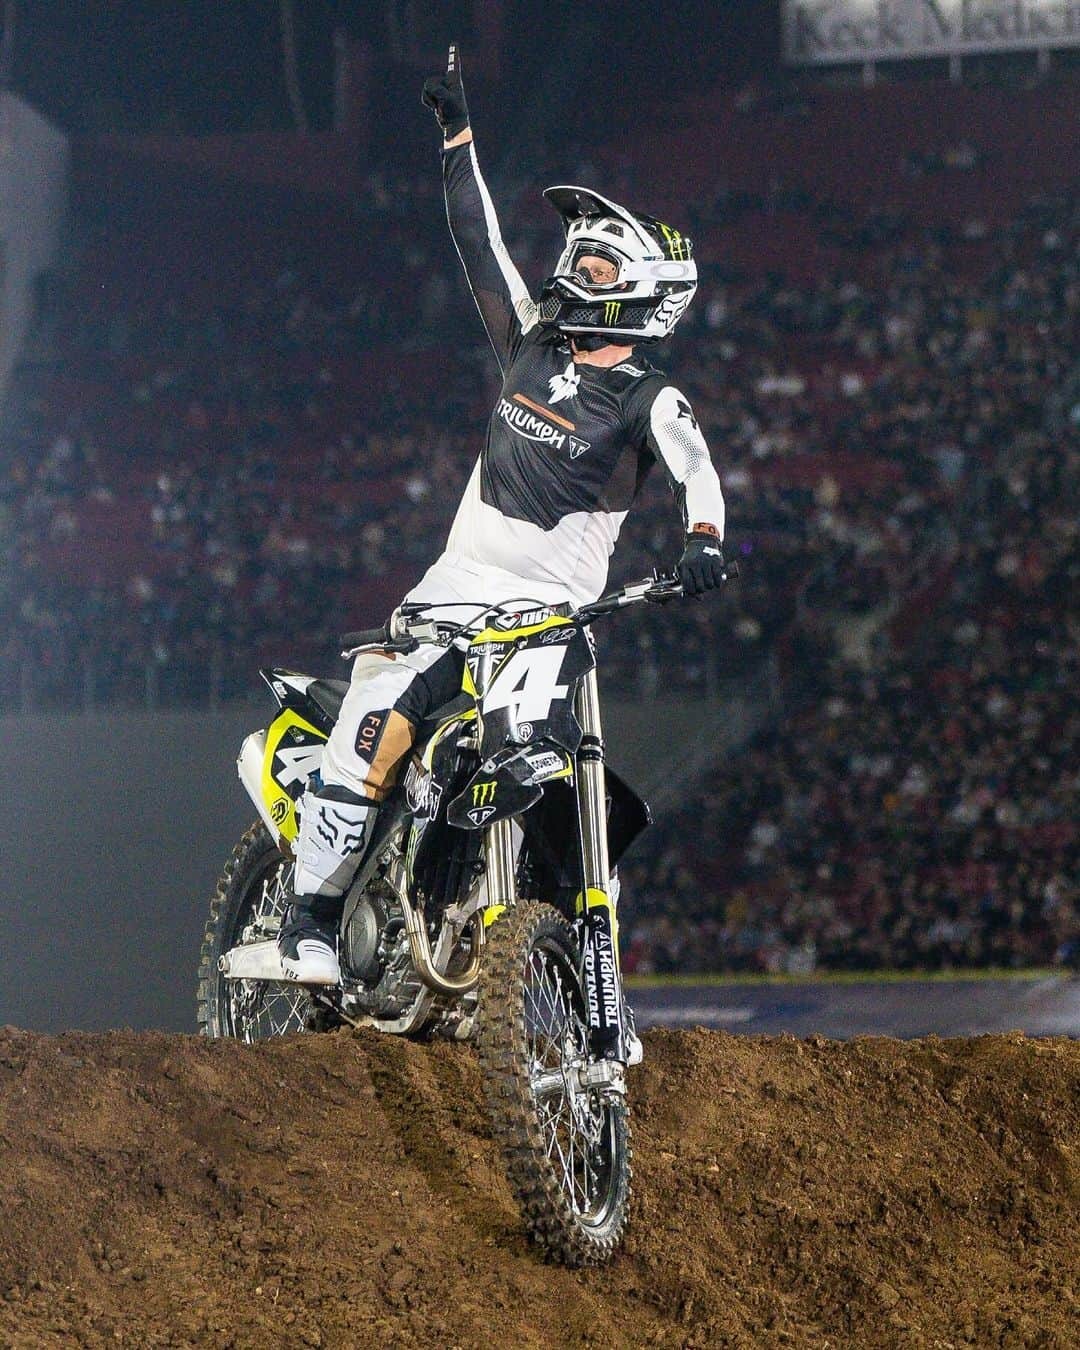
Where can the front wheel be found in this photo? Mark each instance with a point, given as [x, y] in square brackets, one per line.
[248, 905]
[567, 1144]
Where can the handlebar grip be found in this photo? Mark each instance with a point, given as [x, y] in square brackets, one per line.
[365, 637]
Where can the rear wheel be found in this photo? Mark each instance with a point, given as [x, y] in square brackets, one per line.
[248, 906]
[567, 1144]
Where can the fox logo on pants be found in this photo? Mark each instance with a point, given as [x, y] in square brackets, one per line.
[369, 734]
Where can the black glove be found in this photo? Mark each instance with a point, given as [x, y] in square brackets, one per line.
[445, 96]
[701, 567]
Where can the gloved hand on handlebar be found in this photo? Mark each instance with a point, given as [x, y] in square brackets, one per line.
[445, 96]
[701, 567]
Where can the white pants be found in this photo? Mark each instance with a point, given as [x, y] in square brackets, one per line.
[390, 694]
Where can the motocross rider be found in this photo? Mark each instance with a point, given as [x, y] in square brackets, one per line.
[580, 418]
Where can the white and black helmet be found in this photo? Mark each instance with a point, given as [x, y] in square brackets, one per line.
[655, 277]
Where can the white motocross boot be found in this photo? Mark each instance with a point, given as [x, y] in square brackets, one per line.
[307, 941]
[335, 825]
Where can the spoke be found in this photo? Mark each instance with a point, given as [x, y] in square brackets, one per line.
[552, 1125]
[291, 1004]
[575, 1161]
[589, 1172]
[535, 1012]
[571, 1122]
[260, 1010]
[279, 1013]
[537, 996]
[567, 1160]
[548, 995]
[271, 904]
[548, 1030]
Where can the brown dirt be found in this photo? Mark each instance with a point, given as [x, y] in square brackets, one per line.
[341, 1191]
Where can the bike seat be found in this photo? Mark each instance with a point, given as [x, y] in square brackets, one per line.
[329, 695]
[458, 704]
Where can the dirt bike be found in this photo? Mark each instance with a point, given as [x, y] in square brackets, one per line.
[484, 908]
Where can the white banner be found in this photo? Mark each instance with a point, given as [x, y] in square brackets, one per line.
[818, 32]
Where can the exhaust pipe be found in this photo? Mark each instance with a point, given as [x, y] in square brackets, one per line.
[420, 947]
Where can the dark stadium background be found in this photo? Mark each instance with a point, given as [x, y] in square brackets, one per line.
[211, 67]
[120, 795]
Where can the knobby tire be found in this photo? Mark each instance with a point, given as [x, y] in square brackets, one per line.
[503, 1047]
[253, 860]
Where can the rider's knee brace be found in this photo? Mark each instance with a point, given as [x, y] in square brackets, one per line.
[335, 826]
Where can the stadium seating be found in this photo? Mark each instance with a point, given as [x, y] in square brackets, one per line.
[242, 429]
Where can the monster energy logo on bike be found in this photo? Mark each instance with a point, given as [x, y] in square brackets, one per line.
[422, 793]
[483, 794]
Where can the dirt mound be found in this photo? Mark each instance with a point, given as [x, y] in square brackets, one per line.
[342, 1191]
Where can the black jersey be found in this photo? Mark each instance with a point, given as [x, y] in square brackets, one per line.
[568, 443]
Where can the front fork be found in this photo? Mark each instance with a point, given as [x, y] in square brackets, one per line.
[596, 905]
[598, 928]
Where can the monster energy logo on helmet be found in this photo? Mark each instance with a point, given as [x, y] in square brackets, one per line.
[676, 247]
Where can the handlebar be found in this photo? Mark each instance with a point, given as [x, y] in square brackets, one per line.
[365, 637]
[659, 589]
[407, 627]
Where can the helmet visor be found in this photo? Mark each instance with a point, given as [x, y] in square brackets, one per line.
[596, 268]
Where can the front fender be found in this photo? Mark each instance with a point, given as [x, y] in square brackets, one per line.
[509, 783]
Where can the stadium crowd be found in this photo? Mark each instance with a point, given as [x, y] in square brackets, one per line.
[919, 810]
[919, 806]
[201, 480]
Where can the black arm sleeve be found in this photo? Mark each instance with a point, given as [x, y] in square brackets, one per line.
[496, 284]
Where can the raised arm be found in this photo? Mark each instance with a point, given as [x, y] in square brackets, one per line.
[496, 284]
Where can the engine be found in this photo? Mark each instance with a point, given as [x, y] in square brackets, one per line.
[375, 955]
